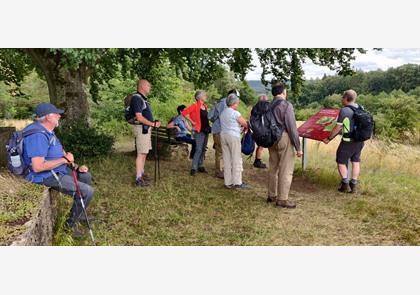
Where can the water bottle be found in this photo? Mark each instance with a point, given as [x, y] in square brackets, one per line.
[15, 158]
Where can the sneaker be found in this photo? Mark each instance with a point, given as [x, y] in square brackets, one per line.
[193, 172]
[141, 182]
[202, 170]
[259, 164]
[344, 188]
[241, 186]
[271, 199]
[285, 204]
[353, 188]
[229, 186]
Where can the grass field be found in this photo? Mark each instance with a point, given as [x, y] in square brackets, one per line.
[182, 210]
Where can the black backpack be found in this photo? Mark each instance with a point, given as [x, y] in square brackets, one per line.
[129, 117]
[363, 124]
[265, 128]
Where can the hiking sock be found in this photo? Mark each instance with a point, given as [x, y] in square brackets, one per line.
[353, 181]
[345, 180]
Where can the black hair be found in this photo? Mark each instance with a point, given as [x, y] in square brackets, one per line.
[277, 89]
[180, 108]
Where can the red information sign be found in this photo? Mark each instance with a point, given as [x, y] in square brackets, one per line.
[320, 125]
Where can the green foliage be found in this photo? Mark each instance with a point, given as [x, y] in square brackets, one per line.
[85, 142]
[304, 114]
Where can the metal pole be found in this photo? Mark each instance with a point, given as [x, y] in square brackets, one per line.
[305, 154]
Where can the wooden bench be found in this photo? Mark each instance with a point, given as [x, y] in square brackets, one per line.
[167, 146]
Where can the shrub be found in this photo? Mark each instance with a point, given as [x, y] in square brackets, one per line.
[84, 141]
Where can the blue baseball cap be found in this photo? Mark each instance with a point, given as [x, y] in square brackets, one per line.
[46, 108]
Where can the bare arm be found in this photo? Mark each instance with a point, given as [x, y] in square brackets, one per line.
[140, 118]
[39, 164]
[243, 122]
[336, 130]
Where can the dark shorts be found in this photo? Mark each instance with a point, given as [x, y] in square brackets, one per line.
[349, 150]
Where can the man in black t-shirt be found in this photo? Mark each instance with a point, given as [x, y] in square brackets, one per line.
[142, 112]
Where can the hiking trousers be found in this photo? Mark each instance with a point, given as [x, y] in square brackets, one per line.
[66, 186]
[201, 139]
[218, 152]
[281, 166]
[232, 158]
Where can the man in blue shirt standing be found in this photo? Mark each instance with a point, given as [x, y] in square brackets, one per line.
[47, 161]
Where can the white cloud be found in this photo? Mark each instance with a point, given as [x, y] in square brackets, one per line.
[372, 60]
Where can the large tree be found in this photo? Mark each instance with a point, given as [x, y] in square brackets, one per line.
[68, 72]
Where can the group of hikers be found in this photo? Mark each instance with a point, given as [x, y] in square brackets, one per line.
[47, 163]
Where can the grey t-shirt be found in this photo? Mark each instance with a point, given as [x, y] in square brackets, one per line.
[345, 117]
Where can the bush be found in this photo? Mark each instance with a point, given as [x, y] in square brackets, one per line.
[84, 141]
[304, 114]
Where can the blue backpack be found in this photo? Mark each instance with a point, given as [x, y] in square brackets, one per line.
[247, 143]
[14, 149]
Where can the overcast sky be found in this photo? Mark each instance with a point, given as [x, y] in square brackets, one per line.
[372, 60]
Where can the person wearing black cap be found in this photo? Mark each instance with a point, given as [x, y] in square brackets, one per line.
[47, 161]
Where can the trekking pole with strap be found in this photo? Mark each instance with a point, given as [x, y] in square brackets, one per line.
[157, 162]
[76, 183]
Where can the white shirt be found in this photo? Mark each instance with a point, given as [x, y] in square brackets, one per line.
[229, 122]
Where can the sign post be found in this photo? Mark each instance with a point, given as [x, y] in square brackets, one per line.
[318, 127]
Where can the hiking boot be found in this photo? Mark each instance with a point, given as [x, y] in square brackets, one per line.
[193, 172]
[271, 199]
[241, 186]
[353, 188]
[202, 170]
[344, 188]
[141, 182]
[285, 204]
[73, 229]
[220, 175]
[259, 164]
[83, 220]
[146, 178]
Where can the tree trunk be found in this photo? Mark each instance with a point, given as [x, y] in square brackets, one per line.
[66, 87]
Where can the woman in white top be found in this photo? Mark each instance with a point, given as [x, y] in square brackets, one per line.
[231, 122]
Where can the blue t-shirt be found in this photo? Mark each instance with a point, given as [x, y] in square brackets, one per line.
[42, 144]
[217, 110]
[180, 122]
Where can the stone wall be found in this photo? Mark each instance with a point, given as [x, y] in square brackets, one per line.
[5, 133]
[39, 230]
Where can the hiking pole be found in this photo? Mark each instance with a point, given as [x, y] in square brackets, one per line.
[76, 183]
[157, 164]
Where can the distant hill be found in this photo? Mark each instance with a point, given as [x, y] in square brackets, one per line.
[258, 86]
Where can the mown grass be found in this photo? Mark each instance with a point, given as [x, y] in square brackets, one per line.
[185, 210]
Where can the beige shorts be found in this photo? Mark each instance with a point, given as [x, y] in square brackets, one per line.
[143, 141]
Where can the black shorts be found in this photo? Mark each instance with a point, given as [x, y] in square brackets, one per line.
[349, 150]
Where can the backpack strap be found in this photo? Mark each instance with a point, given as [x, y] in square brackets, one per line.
[27, 133]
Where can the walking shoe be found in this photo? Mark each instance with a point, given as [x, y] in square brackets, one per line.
[146, 178]
[141, 182]
[271, 199]
[241, 186]
[193, 172]
[353, 188]
[73, 229]
[229, 186]
[344, 188]
[220, 175]
[285, 204]
[259, 164]
[202, 170]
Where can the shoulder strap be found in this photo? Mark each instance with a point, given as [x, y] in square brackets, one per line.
[26, 133]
